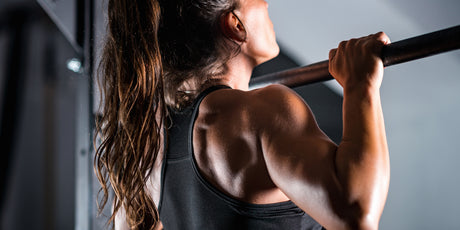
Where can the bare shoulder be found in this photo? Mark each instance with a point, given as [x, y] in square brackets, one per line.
[264, 104]
[281, 109]
[266, 113]
[278, 97]
[275, 90]
[228, 136]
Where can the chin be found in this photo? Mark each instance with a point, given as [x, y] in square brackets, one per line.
[276, 51]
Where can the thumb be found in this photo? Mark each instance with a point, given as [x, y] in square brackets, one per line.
[381, 36]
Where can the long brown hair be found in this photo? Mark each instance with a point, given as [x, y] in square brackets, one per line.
[149, 53]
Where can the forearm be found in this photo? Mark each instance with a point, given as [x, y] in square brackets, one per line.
[362, 160]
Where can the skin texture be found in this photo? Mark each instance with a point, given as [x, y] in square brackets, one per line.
[264, 146]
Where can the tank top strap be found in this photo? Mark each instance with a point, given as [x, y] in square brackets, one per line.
[195, 110]
[205, 92]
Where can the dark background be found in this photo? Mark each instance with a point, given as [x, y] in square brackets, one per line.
[46, 179]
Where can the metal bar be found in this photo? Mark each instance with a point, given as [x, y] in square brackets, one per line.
[397, 52]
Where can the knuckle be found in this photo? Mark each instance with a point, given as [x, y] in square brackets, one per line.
[379, 34]
[382, 36]
[331, 54]
[353, 41]
[359, 42]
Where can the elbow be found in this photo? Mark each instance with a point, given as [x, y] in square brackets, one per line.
[362, 221]
[356, 217]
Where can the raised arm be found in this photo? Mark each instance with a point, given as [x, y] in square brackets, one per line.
[345, 186]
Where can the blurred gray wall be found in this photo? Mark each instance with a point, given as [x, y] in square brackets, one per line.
[420, 99]
[39, 192]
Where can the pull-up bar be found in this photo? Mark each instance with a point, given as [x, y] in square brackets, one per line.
[394, 53]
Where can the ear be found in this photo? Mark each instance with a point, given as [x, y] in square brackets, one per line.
[232, 27]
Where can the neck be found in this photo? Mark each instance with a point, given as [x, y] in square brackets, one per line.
[239, 72]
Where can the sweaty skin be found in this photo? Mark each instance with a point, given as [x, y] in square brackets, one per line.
[264, 146]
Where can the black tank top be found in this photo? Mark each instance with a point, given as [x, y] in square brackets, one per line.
[188, 201]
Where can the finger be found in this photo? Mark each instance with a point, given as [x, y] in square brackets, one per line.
[332, 53]
[341, 49]
[376, 42]
[351, 45]
[342, 45]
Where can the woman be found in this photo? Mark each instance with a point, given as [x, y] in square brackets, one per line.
[185, 142]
